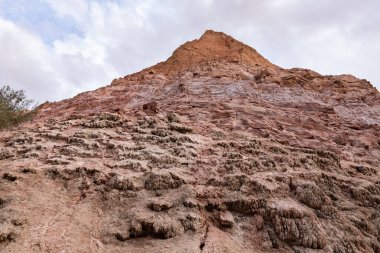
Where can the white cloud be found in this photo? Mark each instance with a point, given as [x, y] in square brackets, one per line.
[76, 9]
[27, 63]
[86, 48]
[51, 73]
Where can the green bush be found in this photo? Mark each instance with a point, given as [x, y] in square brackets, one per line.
[14, 107]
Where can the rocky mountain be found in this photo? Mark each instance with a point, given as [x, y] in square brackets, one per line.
[214, 150]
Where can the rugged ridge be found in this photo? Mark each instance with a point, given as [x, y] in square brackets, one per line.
[214, 150]
[211, 46]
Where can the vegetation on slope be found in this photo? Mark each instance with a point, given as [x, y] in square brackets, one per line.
[15, 107]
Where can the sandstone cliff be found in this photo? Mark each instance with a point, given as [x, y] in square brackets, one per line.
[214, 150]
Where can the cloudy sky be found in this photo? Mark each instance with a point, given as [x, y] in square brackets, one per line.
[54, 49]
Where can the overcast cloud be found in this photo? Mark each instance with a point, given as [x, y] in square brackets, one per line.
[55, 49]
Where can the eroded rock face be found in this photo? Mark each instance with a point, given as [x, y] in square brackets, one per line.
[311, 196]
[235, 154]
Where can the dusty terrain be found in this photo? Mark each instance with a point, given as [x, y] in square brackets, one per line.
[214, 150]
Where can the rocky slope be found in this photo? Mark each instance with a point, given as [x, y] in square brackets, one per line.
[214, 150]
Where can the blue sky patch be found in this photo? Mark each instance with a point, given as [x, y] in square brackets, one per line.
[39, 18]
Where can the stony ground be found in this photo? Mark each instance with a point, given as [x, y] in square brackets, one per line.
[224, 156]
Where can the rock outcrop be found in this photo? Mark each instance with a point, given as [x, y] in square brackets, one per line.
[214, 150]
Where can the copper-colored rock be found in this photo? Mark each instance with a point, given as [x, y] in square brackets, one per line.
[240, 156]
[212, 46]
[151, 107]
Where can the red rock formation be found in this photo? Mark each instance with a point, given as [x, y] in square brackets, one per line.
[212, 46]
[214, 150]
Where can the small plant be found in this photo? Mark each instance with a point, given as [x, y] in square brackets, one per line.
[14, 107]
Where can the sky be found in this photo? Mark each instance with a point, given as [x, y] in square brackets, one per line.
[55, 49]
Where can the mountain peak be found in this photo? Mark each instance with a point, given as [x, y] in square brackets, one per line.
[211, 46]
[201, 159]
